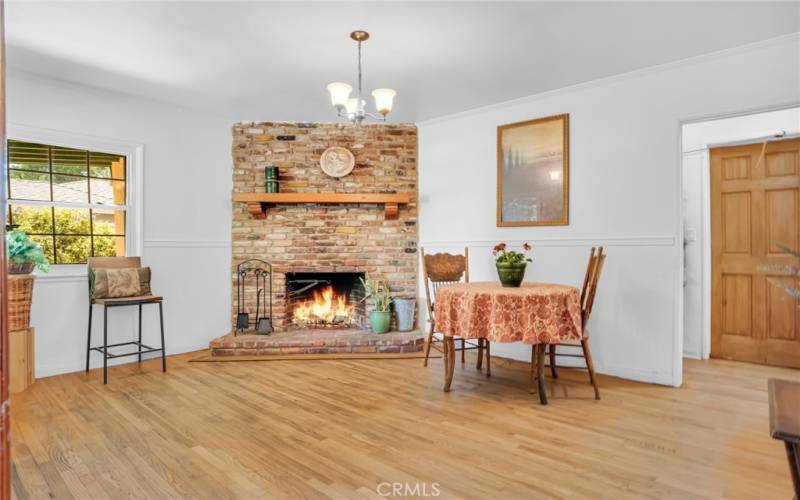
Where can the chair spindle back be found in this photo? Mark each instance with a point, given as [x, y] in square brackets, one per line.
[442, 269]
[593, 271]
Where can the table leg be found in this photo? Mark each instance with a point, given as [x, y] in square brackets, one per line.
[479, 365]
[534, 350]
[488, 347]
[540, 348]
[449, 361]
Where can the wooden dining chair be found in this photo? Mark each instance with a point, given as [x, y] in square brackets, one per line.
[590, 279]
[442, 269]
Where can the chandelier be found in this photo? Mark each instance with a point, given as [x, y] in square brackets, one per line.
[353, 108]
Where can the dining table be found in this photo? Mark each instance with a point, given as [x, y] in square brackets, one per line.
[533, 313]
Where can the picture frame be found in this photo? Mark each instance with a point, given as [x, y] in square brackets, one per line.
[533, 172]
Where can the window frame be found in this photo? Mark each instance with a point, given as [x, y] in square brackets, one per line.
[134, 163]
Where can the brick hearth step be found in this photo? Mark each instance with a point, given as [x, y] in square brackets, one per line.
[323, 341]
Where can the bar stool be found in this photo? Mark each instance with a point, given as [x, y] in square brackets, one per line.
[95, 263]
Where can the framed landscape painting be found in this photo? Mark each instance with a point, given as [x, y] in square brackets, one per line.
[533, 172]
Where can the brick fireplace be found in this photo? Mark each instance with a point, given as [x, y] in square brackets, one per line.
[331, 242]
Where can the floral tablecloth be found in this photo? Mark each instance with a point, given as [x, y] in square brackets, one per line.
[533, 313]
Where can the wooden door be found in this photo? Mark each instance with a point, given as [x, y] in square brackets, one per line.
[755, 207]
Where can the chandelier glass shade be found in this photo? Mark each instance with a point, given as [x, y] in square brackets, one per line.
[354, 108]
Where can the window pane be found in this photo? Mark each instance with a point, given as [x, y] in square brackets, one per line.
[28, 156]
[69, 161]
[72, 249]
[109, 246]
[108, 192]
[29, 185]
[70, 188]
[47, 245]
[108, 222]
[106, 165]
[72, 221]
[32, 219]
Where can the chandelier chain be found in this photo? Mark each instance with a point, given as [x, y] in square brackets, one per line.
[359, 74]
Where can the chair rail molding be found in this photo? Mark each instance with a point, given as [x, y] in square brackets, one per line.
[180, 243]
[627, 241]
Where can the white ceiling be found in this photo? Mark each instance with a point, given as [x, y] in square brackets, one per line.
[271, 61]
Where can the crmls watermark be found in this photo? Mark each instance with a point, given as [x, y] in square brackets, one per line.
[404, 490]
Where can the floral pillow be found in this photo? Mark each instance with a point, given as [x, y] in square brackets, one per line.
[120, 283]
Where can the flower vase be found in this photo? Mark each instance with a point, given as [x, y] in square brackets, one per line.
[511, 275]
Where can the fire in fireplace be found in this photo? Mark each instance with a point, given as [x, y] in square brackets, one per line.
[325, 300]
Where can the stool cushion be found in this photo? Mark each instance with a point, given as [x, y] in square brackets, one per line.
[141, 299]
[118, 283]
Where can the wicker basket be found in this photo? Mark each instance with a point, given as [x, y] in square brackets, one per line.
[20, 293]
[20, 267]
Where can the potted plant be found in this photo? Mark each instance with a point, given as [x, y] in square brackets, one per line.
[380, 318]
[24, 254]
[511, 264]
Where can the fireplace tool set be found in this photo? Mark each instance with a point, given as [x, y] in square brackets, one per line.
[256, 276]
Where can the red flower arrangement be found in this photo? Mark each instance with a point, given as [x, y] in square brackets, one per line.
[511, 256]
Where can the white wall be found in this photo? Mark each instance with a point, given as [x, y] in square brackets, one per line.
[696, 214]
[625, 184]
[187, 218]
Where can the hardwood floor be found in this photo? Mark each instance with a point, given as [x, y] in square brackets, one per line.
[338, 429]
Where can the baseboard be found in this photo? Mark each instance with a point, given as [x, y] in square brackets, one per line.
[43, 371]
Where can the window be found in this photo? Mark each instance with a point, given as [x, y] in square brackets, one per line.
[72, 201]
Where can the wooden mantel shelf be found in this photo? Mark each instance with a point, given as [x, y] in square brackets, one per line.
[259, 203]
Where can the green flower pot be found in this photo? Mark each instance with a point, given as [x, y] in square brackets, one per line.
[380, 321]
[511, 275]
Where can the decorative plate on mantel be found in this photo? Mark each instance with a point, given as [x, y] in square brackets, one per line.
[337, 161]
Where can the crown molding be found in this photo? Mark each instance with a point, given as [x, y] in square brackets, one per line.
[788, 39]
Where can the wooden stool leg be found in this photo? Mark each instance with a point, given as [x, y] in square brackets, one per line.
[463, 351]
[89, 336]
[479, 364]
[163, 346]
[488, 357]
[590, 367]
[553, 361]
[428, 342]
[105, 344]
[540, 373]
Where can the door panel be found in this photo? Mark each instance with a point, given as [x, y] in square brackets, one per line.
[781, 219]
[737, 293]
[781, 312]
[736, 222]
[736, 167]
[782, 163]
[755, 209]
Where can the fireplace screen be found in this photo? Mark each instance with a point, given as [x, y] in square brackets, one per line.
[325, 300]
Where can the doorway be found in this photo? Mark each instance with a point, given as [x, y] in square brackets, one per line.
[755, 218]
[699, 138]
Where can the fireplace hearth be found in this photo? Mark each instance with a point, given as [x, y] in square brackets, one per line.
[325, 300]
